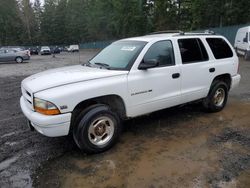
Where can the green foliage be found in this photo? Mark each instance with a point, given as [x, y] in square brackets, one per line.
[11, 27]
[75, 21]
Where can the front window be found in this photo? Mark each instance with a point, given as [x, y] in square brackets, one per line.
[162, 52]
[119, 55]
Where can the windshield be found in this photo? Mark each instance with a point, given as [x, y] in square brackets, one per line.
[119, 55]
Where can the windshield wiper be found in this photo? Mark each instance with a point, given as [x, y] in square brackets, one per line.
[88, 64]
[103, 65]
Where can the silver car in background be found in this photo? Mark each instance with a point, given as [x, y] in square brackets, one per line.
[45, 50]
[9, 54]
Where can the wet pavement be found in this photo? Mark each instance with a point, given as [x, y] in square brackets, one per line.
[177, 147]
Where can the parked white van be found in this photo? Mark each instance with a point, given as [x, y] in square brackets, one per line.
[242, 42]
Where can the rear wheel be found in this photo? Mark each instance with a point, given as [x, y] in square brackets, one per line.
[247, 56]
[217, 97]
[96, 129]
[236, 50]
[19, 59]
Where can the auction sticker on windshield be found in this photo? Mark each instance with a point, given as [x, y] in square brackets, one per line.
[128, 48]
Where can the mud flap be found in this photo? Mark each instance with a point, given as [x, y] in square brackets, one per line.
[30, 126]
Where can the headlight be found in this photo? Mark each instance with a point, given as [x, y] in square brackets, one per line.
[45, 107]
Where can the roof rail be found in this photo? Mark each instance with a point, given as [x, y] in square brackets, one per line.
[167, 31]
[206, 32]
[178, 32]
[210, 32]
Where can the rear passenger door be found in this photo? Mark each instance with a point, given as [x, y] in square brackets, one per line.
[197, 72]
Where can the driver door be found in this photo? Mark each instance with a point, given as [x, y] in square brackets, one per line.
[155, 88]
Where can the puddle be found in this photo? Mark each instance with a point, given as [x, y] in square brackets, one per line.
[181, 147]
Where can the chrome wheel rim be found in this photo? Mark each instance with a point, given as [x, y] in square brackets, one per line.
[101, 131]
[219, 97]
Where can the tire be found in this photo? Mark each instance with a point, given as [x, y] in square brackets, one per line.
[19, 59]
[237, 53]
[96, 129]
[246, 56]
[217, 97]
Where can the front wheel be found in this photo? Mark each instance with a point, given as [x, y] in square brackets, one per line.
[217, 97]
[97, 129]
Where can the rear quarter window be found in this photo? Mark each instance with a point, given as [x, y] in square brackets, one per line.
[220, 48]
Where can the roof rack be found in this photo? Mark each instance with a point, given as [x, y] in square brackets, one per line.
[210, 32]
[178, 32]
[167, 31]
[206, 32]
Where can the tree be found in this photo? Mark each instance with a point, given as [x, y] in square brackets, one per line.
[48, 23]
[61, 22]
[37, 16]
[11, 27]
[28, 20]
[76, 21]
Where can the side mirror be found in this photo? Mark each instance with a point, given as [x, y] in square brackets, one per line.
[147, 64]
[245, 39]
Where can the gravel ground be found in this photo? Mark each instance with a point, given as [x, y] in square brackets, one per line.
[177, 147]
[22, 151]
[41, 63]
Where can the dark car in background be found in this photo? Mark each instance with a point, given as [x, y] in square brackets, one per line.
[34, 51]
[55, 50]
[17, 55]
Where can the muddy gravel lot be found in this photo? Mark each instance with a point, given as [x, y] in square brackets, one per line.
[178, 147]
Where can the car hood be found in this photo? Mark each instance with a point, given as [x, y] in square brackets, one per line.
[66, 75]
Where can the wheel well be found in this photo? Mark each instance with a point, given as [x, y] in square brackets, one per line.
[18, 57]
[115, 102]
[225, 78]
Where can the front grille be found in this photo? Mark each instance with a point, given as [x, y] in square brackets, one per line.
[28, 93]
[27, 98]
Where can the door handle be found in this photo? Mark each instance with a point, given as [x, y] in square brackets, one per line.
[175, 75]
[212, 70]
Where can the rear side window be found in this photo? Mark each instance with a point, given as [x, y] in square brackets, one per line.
[220, 48]
[161, 51]
[192, 51]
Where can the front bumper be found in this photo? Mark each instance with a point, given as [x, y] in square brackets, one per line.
[235, 81]
[45, 53]
[52, 126]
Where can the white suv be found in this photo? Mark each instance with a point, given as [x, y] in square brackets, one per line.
[129, 78]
